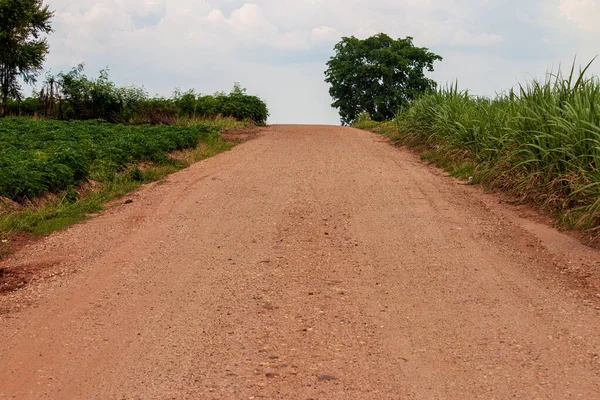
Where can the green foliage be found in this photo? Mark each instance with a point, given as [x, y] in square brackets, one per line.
[383, 128]
[59, 213]
[541, 142]
[73, 95]
[96, 98]
[22, 51]
[238, 104]
[27, 106]
[39, 156]
[378, 75]
[363, 117]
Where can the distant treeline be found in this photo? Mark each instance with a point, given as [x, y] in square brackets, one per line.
[74, 96]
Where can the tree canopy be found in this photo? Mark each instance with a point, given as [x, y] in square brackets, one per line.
[378, 75]
[22, 50]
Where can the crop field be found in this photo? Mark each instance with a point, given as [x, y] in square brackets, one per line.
[38, 156]
[541, 142]
[54, 174]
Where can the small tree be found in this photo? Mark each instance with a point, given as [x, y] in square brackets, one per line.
[22, 51]
[378, 75]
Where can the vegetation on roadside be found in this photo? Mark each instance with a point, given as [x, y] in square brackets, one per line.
[73, 95]
[88, 164]
[365, 122]
[43, 156]
[540, 142]
[377, 75]
[54, 173]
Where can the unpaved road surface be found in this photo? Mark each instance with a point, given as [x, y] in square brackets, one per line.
[309, 263]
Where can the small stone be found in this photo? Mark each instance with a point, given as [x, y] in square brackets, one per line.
[271, 374]
[128, 201]
[326, 378]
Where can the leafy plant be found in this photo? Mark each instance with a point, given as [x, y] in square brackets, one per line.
[22, 51]
[41, 156]
[540, 142]
[73, 95]
[378, 75]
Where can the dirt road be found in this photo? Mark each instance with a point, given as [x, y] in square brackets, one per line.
[310, 263]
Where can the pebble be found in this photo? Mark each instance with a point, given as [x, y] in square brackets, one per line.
[269, 373]
[326, 378]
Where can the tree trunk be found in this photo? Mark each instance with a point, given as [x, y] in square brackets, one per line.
[4, 91]
[4, 86]
[3, 107]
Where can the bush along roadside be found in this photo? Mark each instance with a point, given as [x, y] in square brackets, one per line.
[53, 173]
[540, 143]
[73, 95]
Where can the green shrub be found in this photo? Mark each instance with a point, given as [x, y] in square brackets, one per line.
[74, 96]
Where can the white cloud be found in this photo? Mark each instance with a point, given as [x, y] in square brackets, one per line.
[93, 29]
[249, 19]
[463, 38]
[142, 7]
[325, 34]
[584, 13]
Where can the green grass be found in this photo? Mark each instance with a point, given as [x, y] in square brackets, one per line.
[386, 128]
[221, 124]
[366, 125]
[540, 143]
[61, 211]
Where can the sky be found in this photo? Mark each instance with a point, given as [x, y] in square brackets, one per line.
[277, 49]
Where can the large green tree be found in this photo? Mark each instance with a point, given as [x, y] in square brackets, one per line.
[378, 75]
[22, 49]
